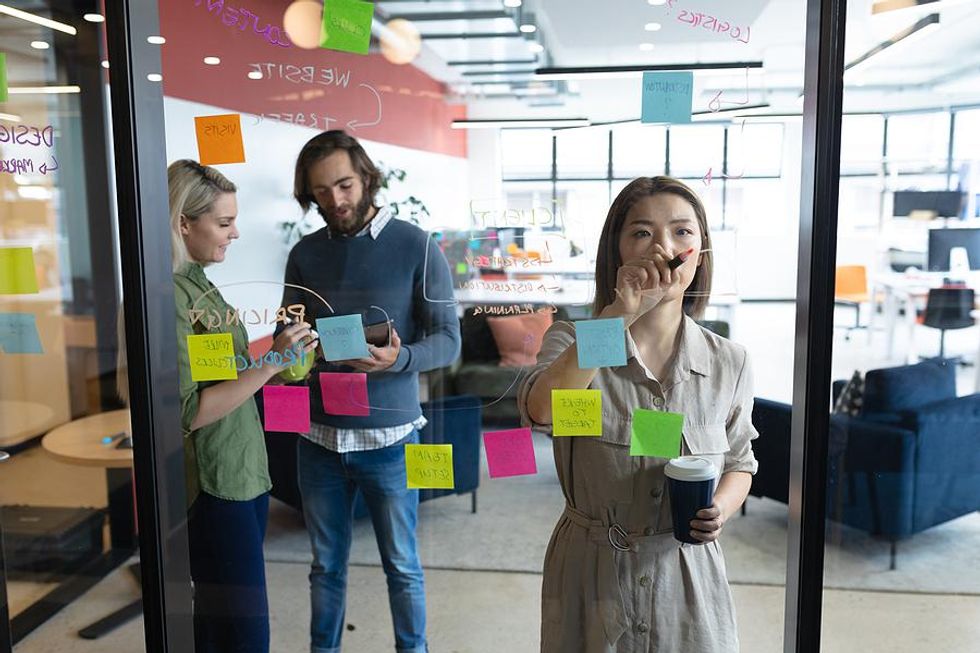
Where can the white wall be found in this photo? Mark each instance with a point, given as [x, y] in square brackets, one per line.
[257, 260]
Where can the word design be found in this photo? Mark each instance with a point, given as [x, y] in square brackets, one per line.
[233, 18]
[26, 135]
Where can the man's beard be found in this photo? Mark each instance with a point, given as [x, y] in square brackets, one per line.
[359, 217]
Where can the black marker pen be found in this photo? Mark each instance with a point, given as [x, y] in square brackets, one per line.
[678, 260]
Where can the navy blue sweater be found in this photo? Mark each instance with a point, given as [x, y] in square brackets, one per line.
[392, 273]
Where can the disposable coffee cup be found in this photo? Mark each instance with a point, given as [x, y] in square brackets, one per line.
[691, 486]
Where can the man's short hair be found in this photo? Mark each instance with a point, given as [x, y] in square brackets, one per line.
[323, 145]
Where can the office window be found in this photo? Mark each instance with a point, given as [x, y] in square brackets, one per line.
[754, 203]
[862, 138]
[859, 201]
[696, 148]
[966, 136]
[583, 153]
[585, 205]
[918, 142]
[526, 153]
[639, 150]
[755, 149]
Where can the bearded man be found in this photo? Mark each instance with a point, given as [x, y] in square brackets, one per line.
[365, 262]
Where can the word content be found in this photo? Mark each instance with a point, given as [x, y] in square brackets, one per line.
[239, 18]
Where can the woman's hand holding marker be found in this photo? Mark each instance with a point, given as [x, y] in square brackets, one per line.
[643, 282]
[296, 337]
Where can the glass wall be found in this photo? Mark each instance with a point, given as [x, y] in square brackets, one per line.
[66, 490]
[901, 500]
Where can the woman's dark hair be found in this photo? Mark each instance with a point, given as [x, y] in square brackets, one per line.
[608, 259]
[323, 145]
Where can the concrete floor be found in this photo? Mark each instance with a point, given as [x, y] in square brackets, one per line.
[484, 612]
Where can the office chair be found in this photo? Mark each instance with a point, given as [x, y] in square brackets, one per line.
[948, 308]
[851, 289]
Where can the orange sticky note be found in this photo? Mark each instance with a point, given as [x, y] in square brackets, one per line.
[17, 275]
[219, 139]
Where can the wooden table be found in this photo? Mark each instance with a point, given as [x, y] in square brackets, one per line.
[22, 420]
[80, 442]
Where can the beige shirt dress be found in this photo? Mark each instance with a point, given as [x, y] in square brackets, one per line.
[615, 579]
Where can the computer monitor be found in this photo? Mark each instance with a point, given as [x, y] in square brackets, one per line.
[941, 241]
[945, 203]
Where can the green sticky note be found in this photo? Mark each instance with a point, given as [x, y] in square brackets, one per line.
[461, 268]
[17, 276]
[3, 77]
[576, 412]
[656, 433]
[346, 26]
[212, 357]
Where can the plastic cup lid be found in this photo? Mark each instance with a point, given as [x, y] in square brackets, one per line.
[691, 468]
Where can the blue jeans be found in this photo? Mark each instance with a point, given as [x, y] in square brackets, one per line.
[329, 482]
[231, 611]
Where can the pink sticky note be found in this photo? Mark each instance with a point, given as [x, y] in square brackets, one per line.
[344, 393]
[287, 408]
[510, 452]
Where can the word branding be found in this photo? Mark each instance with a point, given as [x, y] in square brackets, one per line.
[26, 135]
[233, 317]
[234, 18]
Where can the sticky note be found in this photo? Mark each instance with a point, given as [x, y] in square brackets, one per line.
[667, 97]
[219, 139]
[510, 452]
[17, 275]
[287, 408]
[576, 412]
[3, 77]
[18, 334]
[346, 26]
[656, 433]
[344, 393]
[212, 357]
[601, 343]
[461, 268]
[342, 337]
[429, 466]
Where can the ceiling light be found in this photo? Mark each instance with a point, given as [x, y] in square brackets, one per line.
[535, 47]
[881, 6]
[155, 77]
[646, 47]
[156, 40]
[212, 61]
[94, 18]
[652, 27]
[605, 72]
[43, 90]
[528, 29]
[105, 64]
[40, 45]
[918, 29]
[303, 20]
[9, 117]
[255, 74]
[657, 3]
[38, 20]
[520, 123]
[400, 41]
[512, 3]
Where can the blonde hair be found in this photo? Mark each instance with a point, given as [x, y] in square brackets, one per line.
[193, 188]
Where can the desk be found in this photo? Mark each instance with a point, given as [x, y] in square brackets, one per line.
[80, 443]
[22, 420]
[908, 290]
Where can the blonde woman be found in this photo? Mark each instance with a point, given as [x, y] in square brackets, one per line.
[226, 466]
[615, 579]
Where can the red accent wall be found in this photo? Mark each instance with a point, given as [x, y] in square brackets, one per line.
[366, 95]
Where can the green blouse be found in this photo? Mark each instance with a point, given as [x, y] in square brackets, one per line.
[226, 459]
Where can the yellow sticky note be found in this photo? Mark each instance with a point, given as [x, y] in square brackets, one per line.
[17, 275]
[429, 466]
[212, 357]
[576, 412]
[219, 139]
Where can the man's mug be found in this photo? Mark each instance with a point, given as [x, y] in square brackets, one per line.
[691, 486]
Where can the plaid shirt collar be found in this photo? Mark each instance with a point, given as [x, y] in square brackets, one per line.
[374, 227]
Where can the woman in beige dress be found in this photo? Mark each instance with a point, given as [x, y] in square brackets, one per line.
[615, 579]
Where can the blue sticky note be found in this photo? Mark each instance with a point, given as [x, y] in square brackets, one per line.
[342, 337]
[18, 334]
[667, 97]
[601, 343]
